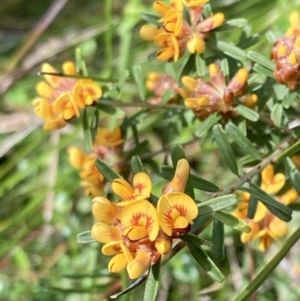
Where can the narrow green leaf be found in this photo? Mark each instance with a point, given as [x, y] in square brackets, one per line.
[232, 221]
[177, 153]
[106, 170]
[232, 51]
[87, 131]
[139, 149]
[200, 65]
[247, 113]
[293, 173]
[85, 238]
[253, 202]
[269, 268]
[152, 56]
[290, 151]
[276, 114]
[289, 99]
[152, 283]
[137, 165]
[95, 125]
[262, 70]
[241, 140]
[218, 237]
[169, 94]
[135, 284]
[207, 124]
[207, 264]
[225, 67]
[150, 18]
[277, 208]
[139, 79]
[261, 60]
[240, 22]
[189, 66]
[110, 110]
[217, 204]
[225, 148]
[196, 241]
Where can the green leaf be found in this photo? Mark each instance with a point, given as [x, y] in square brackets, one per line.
[262, 70]
[152, 283]
[177, 153]
[189, 66]
[137, 165]
[240, 22]
[141, 148]
[242, 141]
[225, 67]
[247, 113]
[217, 204]
[289, 99]
[261, 60]
[95, 125]
[106, 170]
[85, 238]
[232, 221]
[225, 148]
[253, 202]
[276, 114]
[200, 65]
[152, 56]
[150, 18]
[231, 51]
[207, 264]
[110, 110]
[293, 149]
[87, 131]
[269, 268]
[293, 173]
[218, 237]
[277, 208]
[139, 79]
[208, 123]
[196, 241]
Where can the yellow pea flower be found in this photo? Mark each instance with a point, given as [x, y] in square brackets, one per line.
[176, 212]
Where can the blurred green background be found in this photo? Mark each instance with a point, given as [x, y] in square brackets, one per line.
[42, 205]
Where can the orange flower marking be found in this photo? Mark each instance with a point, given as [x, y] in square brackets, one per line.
[140, 220]
[176, 212]
[140, 191]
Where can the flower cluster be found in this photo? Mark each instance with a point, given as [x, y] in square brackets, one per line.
[175, 34]
[159, 84]
[133, 230]
[206, 98]
[286, 54]
[61, 98]
[106, 147]
[266, 227]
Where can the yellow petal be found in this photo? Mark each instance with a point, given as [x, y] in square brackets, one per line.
[141, 214]
[104, 210]
[163, 244]
[76, 157]
[195, 44]
[139, 265]
[278, 227]
[142, 186]
[135, 233]
[149, 32]
[69, 68]
[160, 7]
[190, 82]
[55, 123]
[180, 178]
[105, 233]
[294, 19]
[53, 80]
[117, 263]
[112, 247]
[44, 90]
[194, 3]
[261, 212]
[106, 137]
[122, 188]
[173, 205]
[245, 237]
